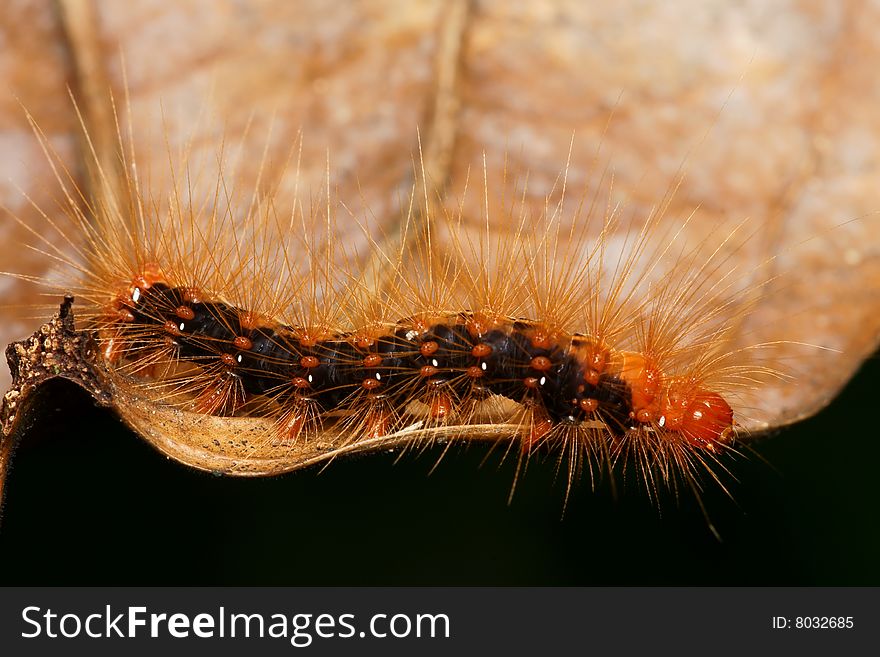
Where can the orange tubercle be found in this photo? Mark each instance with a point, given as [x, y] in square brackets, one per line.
[645, 380]
[293, 427]
[440, 406]
[594, 355]
[377, 423]
[539, 427]
[540, 339]
[147, 278]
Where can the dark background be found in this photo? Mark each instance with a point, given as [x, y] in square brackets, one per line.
[90, 503]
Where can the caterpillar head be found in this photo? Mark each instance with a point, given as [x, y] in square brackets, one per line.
[701, 416]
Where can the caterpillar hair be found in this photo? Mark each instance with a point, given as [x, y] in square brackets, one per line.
[245, 338]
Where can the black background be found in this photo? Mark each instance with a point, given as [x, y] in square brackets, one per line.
[90, 503]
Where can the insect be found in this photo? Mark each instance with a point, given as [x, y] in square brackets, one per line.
[246, 338]
[823, 288]
[248, 341]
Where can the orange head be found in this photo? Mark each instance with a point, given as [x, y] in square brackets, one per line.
[701, 416]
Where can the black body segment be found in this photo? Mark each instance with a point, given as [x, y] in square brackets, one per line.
[447, 354]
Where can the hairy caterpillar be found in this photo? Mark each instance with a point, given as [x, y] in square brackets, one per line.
[242, 341]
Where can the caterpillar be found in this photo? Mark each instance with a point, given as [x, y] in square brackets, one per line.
[263, 348]
[245, 339]
[830, 369]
